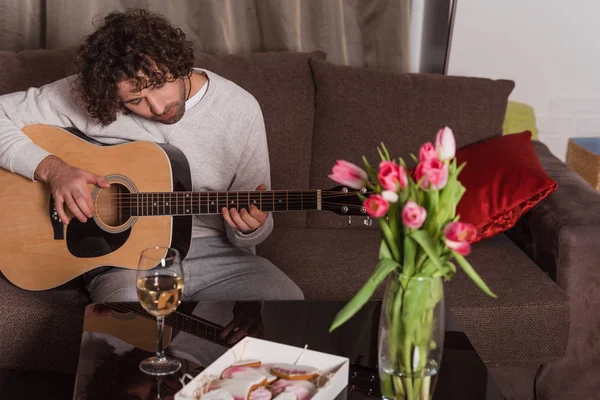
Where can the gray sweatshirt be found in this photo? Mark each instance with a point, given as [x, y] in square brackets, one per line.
[222, 136]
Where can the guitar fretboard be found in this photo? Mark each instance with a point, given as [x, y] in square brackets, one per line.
[193, 203]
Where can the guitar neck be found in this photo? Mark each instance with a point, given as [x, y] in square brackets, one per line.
[195, 203]
[191, 324]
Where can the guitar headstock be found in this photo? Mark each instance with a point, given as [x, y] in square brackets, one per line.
[343, 200]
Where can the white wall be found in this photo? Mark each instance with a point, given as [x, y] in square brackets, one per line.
[550, 48]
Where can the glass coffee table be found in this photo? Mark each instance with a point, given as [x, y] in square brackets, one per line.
[118, 336]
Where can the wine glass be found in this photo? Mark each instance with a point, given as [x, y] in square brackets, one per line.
[160, 288]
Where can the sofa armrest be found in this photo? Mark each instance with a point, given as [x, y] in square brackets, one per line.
[564, 228]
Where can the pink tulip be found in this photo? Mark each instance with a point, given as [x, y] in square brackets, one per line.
[458, 236]
[413, 215]
[376, 206]
[348, 174]
[392, 176]
[445, 144]
[435, 173]
[428, 152]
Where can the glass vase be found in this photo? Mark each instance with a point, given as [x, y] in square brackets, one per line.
[411, 337]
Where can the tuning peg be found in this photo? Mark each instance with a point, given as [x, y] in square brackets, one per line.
[368, 221]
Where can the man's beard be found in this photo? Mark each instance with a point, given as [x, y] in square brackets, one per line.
[179, 107]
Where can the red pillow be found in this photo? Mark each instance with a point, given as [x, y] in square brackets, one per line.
[504, 179]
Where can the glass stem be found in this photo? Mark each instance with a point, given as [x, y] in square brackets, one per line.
[160, 354]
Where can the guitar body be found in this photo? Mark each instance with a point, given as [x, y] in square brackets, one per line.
[41, 253]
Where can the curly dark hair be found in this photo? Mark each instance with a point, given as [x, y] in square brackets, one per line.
[125, 44]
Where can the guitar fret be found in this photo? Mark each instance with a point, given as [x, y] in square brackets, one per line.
[280, 201]
[254, 198]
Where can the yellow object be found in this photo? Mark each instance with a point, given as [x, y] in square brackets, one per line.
[519, 117]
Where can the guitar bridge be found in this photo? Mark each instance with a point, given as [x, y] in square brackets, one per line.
[57, 226]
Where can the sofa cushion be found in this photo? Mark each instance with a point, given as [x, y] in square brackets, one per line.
[528, 322]
[34, 68]
[283, 86]
[41, 330]
[358, 108]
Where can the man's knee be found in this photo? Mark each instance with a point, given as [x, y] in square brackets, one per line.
[115, 285]
[278, 286]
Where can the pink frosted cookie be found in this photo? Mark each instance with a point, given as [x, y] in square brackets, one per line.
[261, 393]
[239, 389]
[265, 369]
[218, 394]
[303, 390]
[294, 372]
[286, 396]
[247, 363]
[245, 373]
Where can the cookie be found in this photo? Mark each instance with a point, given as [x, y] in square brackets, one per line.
[261, 393]
[247, 363]
[294, 372]
[286, 396]
[303, 390]
[238, 388]
[253, 375]
[265, 369]
[218, 394]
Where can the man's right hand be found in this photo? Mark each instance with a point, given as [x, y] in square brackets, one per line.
[69, 186]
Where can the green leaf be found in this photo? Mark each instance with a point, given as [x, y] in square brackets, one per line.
[464, 264]
[385, 150]
[424, 240]
[381, 154]
[370, 171]
[384, 267]
[384, 251]
[410, 252]
[388, 235]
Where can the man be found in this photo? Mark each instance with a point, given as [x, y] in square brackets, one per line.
[135, 81]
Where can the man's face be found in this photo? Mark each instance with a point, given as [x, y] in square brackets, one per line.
[164, 104]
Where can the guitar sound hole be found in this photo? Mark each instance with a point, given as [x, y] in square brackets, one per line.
[111, 205]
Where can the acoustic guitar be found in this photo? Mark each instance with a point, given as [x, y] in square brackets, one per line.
[150, 203]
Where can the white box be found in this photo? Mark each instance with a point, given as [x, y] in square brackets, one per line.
[271, 352]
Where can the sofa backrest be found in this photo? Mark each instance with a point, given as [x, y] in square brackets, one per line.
[33, 68]
[356, 109]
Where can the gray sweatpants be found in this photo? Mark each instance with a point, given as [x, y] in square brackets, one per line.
[214, 269]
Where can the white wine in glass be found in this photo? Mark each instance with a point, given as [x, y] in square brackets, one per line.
[159, 289]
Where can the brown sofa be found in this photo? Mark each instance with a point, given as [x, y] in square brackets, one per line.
[538, 335]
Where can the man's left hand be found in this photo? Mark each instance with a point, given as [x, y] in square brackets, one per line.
[245, 221]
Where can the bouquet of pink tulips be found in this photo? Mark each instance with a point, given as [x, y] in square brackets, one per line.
[421, 235]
